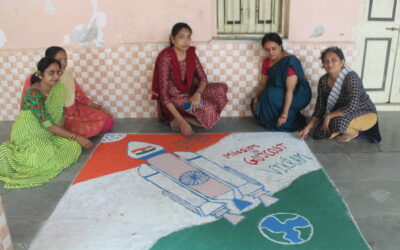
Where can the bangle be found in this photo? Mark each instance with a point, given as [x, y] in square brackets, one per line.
[284, 115]
[198, 92]
[72, 136]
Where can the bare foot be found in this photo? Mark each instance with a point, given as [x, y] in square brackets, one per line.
[174, 125]
[346, 137]
[193, 121]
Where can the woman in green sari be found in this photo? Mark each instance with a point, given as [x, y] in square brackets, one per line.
[39, 147]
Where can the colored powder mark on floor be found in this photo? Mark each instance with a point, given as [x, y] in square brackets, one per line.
[311, 196]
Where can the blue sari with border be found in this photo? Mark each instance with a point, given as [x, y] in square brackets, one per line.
[272, 98]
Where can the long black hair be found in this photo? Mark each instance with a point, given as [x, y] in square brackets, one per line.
[175, 30]
[42, 65]
[53, 50]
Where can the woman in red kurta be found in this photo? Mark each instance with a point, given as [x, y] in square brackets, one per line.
[180, 86]
[82, 116]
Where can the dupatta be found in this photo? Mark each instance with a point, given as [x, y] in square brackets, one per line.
[69, 83]
[176, 72]
[335, 91]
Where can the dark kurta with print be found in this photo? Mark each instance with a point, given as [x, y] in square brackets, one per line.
[213, 96]
[353, 101]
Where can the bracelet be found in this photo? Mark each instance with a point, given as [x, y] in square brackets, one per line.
[72, 136]
[198, 92]
[284, 115]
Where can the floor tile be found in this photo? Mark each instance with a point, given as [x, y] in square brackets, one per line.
[381, 232]
[33, 203]
[127, 125]
[378, 166]
[338, 166]
[371, 197]
[389, 121]
[5, 128]
[334, 146]
[246, 124]
[149, 125]
[390, 140]
[23, 231]
[4, 138]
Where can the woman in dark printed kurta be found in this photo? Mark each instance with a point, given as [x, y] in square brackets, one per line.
[351, 104]
[180, 86]
[213, 95]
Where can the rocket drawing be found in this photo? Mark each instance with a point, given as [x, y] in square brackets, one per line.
[204, 187]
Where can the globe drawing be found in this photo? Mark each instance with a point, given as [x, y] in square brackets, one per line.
[286, 228]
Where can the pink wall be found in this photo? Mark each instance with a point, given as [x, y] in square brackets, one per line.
[38, 24]
[151, 21]
[29, 24]
[337, 18]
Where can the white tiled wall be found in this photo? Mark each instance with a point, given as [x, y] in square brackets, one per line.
[120, 77]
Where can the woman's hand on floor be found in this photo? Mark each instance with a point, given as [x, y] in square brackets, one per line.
[304, 133]
[83, 141]
[281, 120]
[185, 128]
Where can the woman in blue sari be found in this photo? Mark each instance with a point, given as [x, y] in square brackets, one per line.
[283, 91]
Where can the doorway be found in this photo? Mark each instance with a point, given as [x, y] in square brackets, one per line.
[378, 50]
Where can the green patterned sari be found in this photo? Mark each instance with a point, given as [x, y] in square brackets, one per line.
[34, 155]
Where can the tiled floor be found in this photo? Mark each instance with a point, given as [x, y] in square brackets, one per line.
[367, 176]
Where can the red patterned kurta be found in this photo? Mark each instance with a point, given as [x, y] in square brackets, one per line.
[79, 117]
[213, 96]
[82, 119]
